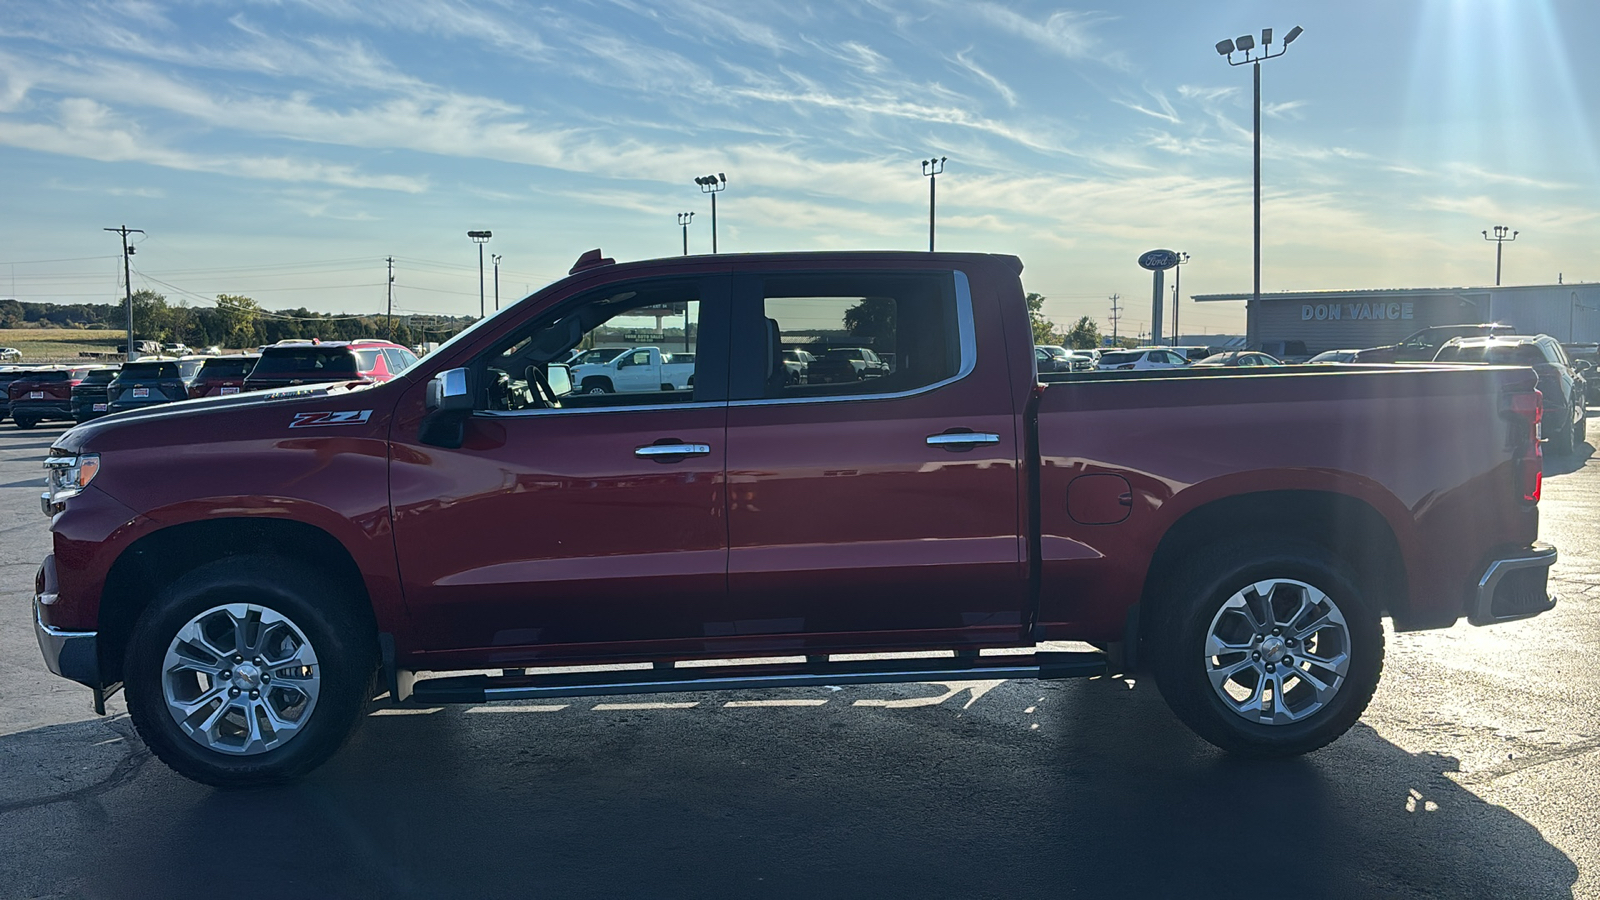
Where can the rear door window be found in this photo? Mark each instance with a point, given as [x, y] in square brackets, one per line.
[848, 323]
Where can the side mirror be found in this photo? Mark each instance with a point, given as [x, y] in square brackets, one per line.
[1582, 365]
[559, 376]
[448, 392]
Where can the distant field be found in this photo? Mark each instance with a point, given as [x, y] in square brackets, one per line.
[58, 344]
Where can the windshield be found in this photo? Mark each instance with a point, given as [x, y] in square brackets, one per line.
[100, 376]
[305, 362]
[1124, 356]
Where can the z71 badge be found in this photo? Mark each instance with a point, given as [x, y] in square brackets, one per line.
[341, 417]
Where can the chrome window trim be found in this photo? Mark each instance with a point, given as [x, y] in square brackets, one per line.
[967, 339]
[652, 407]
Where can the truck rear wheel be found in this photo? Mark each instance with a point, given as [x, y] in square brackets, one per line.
[1267, 647]
[248, 671]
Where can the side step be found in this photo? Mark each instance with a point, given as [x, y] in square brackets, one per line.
[666, 678]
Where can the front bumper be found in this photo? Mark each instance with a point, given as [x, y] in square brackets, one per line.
[1515, 586]
[71, 654]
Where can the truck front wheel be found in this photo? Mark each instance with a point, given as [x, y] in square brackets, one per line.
[248, 671]
[1267, 647]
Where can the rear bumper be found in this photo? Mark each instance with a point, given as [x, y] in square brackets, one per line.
[117, 406]
[42, 409]
[1514, 586]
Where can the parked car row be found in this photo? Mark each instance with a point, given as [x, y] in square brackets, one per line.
[34, 394]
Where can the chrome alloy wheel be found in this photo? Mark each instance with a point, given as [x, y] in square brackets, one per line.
[1277, 651]
[240, 679]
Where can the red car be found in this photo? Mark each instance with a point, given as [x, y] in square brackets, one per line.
[293, 363]
[1238, 532]
[222, 375]
[44, 394]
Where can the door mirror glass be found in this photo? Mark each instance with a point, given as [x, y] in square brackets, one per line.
[448, 391]
[559, 378]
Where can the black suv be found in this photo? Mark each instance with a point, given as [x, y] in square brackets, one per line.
[1421, 346]
[1566, 406]
[89, 399]
[146, 382]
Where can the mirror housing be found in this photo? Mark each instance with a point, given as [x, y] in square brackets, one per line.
[559, 376]
[449, 391]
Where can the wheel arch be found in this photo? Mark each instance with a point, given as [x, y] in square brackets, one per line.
[159, 558]
[1347, 526]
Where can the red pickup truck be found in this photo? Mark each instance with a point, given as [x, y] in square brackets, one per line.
[258, 568]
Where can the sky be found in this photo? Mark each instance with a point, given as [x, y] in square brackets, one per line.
[285, 149]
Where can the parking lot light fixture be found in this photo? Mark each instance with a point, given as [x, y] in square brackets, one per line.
[713, 185]
[1500, 240]
[1246, 44]
[496, 282]
[480, 238]
[932, 168]
[684, 218]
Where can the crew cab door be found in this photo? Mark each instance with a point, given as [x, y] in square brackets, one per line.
[585, 526]
[875, 511]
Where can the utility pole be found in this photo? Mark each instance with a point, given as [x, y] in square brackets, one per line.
[127, 280]
[390, 260]
[1116, 315]
[496, 282]
[932, 168]
[1499, 240]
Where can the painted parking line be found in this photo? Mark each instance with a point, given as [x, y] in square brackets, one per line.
[402, 711]
[627, 706]
[516, 709]
[752, 704]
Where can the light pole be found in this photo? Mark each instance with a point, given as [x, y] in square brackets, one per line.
[1245, 44]
[480, 238]
[1177, 290]
[496, 258]
[1500, 240]
[713, 185]
[683, 222]
[932, 169]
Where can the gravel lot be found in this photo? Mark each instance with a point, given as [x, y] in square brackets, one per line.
[1472, 775]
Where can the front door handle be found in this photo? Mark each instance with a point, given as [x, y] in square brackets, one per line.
[671, 451]
[962, 439]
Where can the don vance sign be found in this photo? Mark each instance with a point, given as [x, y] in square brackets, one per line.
[1324, 312]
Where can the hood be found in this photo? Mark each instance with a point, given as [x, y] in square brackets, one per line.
[176, 422]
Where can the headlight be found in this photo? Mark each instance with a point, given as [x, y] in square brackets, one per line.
[66, 477]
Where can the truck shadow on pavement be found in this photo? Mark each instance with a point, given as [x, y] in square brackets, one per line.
[1569, 463]
[1032, 789]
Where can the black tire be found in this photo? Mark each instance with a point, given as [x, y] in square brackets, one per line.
[1213, 575]
[340, 632]
[25, 422]
[596, 386]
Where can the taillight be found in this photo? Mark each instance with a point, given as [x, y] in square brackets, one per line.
[1527, 409]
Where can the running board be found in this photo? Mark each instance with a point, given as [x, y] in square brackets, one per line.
[666, 678]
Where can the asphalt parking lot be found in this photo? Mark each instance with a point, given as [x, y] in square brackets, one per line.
[1472, 775]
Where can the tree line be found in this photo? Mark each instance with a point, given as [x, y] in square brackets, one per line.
[235, 322]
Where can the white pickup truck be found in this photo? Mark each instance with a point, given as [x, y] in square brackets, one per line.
[639, 369]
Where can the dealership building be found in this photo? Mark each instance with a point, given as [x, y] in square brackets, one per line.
[1336, 320]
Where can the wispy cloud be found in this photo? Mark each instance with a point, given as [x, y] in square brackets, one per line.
[964, 59]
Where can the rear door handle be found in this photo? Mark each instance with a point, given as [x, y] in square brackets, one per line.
[669, 451]
[962, 439]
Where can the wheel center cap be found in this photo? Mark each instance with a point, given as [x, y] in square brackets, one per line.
[246, 677]
[1272, 649]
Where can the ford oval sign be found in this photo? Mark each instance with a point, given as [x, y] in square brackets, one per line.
[1156, 260]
